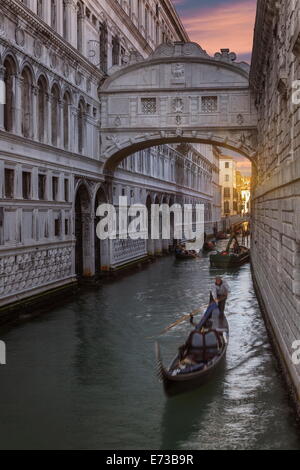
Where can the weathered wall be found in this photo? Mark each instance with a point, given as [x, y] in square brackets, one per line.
[276, 201]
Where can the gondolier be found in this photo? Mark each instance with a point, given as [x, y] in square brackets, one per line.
[220, 293]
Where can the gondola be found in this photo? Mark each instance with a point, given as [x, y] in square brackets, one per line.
[200, 357]
[186, 255]
[229, 258]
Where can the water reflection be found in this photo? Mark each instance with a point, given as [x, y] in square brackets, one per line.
[83, 376]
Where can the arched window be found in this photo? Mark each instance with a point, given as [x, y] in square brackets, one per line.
[54, 114]
[66, 107]
[42, 114]
[26, 103]
[53, 15]
[10, 72]
[81, 125]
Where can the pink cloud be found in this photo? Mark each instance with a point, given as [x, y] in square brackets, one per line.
[229, 26]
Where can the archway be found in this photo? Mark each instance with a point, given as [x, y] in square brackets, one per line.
[83, 219]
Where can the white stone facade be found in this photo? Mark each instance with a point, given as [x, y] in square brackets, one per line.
[53, 59]
[276, 201]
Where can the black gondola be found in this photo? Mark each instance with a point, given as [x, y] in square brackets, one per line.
[228, 258]
[200, 357]
[186, 255]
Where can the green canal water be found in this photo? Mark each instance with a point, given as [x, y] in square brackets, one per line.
[83, 375]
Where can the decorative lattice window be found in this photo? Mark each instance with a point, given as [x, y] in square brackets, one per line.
[209, 104]
[149, 106]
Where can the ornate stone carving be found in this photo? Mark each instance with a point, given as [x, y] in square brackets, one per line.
[20, 36]
[34, 269]
[117, 121]
[78, 77]
[225, 55]
[37, 48]
[53, 60]
[66, 68]
[178, 105]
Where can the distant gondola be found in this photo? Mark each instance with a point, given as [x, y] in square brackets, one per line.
[229, 258]
[200, 357]
[186, 255]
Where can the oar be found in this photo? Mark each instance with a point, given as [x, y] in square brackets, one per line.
[182, 319]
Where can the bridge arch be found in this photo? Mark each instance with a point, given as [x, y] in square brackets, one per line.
[179, 94]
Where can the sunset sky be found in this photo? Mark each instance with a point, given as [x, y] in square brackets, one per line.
[216, 24]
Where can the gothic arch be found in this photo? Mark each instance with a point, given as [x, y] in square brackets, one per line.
[9, 79]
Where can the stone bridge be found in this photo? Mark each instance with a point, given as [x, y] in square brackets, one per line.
[179, 94]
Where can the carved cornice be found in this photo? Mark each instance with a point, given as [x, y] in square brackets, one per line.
[48, 36]
[172, 13]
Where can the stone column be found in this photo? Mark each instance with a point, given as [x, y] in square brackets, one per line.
[73, 136]
[48, 119]
[35, 183]
[2, 97]
[18, 189]
[35, 114]
[1, 179]
[18, 84]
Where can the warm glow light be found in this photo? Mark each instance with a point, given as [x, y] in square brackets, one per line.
[229, 25]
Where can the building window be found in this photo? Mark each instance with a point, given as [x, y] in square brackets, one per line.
[42, 187]
[9, 180]
[80, 16]
[65, 20]
[66, 189]
[26, 184]
[66, 106]
[54, 188]
[42, 106]
[26, 103]
[81, 112]
[103, 46]
[209, 104]
[54, 114]
[10, 72]
[226, 164]
[226, 207]
[66, 227]
[56, 227]
[227, 192]
[53, 14]
[149, 106]
[39, 8]
[115, 50]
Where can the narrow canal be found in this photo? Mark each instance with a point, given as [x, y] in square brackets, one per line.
[83, 375]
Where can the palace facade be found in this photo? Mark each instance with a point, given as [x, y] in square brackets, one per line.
[54, 56]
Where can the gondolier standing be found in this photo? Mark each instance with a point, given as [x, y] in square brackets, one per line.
[220, 293]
